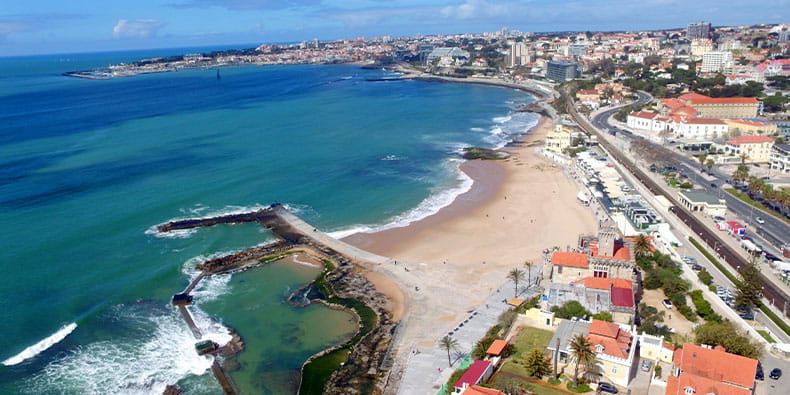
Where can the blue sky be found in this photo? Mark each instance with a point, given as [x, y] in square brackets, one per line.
[64, 26]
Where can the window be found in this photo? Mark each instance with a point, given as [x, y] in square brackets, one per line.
[688, 390]
[598, 348]
[614, 370]
[559, 269]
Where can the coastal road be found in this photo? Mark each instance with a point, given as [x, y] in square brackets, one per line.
[707, 235]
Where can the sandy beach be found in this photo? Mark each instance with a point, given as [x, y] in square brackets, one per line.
[451, 261]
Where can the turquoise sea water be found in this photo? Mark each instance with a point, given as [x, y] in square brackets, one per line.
[87, 168]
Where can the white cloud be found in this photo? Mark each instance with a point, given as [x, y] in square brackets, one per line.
[481, 8]
[138, 28]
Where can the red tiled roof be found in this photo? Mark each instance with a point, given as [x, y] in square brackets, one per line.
[575, 259]
[716, 365]
[692, 96]
[621, 253]
[676, 385]
[738, 140]
[643, 114]
[587, 92]
[673, 103]
[750, 123]
[497, 347]
[615, 341]
[604, 283]
[704, 121]
[473, 375]
[478, 390]
[723, 100]
[622, 297]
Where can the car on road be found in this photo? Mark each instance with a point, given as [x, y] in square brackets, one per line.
[645, 365]
[667, 303]
[759, 375]
[713, 185]
[776, 373]
[697, 268]
[688, 260]
[771, 257]
[746, 315]
[759, 220]
[606, 387]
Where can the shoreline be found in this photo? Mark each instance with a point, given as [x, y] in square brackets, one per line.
[515, 209]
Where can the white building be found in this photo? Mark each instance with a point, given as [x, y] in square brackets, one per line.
[716, 62]
[780, 158]
[699, 128]
[519, 55]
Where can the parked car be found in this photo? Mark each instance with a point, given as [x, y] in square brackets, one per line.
[697, 267]
[746, 315]
[759, 220]
[645, 365]
[759, 375]
[776, 373]
[719, 218]
[606, 387]
[667, 303]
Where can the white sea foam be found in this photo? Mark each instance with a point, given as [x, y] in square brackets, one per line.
[137, 365]
[477, 129]
[173, 234]
[42, 345]
[391, 157]
[502, 119]
[431, 205]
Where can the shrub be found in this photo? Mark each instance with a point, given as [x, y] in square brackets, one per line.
[657, 369]
[603, 316]
[581, 388]
[570, 309]
[712, 288]
[705, 277]
[704, 308]
[687, 312]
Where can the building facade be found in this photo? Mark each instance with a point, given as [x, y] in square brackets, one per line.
[561, 70]
[780, 158]
[716, 62]
[558, 139]
[605, 256]
[698, 30]
[700, 201]
[756, 148]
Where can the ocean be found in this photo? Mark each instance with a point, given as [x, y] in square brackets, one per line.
[88, 169]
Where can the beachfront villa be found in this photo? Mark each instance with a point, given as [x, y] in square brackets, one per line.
[558, 139]
[614, 346]
[700, 369]
[605, 256]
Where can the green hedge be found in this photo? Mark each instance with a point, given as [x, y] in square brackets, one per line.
[767, 311]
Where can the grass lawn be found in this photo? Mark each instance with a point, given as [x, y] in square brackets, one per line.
[538, 388]
[766, 336]
[746, 199]
[530, 338]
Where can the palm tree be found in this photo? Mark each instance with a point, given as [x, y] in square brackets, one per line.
[641, 246]
[743, 158]
[516, 275]
[581, 354]
[529, 265]
[709, 164]
[701, 159]
[448, 343]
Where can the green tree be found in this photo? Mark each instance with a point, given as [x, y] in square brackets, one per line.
[741, 173]
[748, 290]
[528, 264]
[725, 334]
[581, 354]
[448, 343]
[536, 364]
[515, 275]
[709, 164]
[603, 316]
[641, 245]
[570, 309]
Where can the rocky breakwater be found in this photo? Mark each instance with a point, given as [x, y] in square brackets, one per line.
[365, 370]
[484, 153]
[264, 215]
[241, 259]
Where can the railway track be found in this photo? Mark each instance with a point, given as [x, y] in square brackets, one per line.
[770, 291]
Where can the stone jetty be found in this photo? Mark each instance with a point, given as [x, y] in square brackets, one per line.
[365, 367]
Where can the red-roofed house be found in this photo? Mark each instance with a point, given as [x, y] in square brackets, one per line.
[614, 346]
[704, 370]
[721, 107]
[479, 371]
[756, 148]
[605, 256]
[751, 127]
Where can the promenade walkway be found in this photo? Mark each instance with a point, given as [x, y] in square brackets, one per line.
[427, 369]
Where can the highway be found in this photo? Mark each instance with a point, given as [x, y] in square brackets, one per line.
[706, 233]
